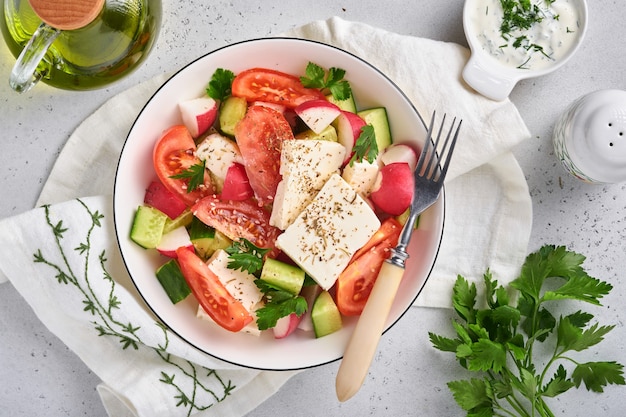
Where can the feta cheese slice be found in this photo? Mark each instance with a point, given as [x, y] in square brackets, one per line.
[329, 231]
[219, 153]
[361, 175]
[305, 166]
[240, 285]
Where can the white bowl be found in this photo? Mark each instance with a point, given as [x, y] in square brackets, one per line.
[492, 77]
[301, 349]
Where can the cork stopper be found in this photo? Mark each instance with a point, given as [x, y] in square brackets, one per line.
[67, 14]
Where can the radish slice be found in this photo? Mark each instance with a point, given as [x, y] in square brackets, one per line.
[173, 240]
[317, 114]
[286, 325]
[236, 184]
[349, 127]
[393, 190]
[399, 153]
[198, 114]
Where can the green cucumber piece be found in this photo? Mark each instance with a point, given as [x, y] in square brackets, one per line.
[205, 239]
[404, 217]
[147, 228]
[232, 111]
[199, 230]
[347, 104]
[184, 219]
[329, 133]
[325, 315]
[173, 281]
[284, 276]
[377, 117]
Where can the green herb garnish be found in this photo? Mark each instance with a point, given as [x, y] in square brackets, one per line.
[499, 341]
[366, 146]
[316, 77]
[219, 87]
[522, 15]
[244, 255]
[195, 175]
[278, 303]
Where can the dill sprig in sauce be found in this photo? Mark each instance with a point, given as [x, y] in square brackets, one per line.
[527, 33]
[522, 15]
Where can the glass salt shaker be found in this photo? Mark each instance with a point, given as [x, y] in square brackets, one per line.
[590, 137]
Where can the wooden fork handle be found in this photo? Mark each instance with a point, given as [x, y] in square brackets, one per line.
[364, 341]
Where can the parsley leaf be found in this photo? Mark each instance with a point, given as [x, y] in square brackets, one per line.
[366, 146]
[244, 255]
[219, 87]
[316, 77]
[497, 341]
[195, 175]
[278, 303]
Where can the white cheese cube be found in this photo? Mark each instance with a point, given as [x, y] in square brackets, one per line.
[329, 231]
[219, 153]
[240, 284]
[361, 175]
[305, 166]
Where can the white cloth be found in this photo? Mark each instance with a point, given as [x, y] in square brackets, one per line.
[64, 260]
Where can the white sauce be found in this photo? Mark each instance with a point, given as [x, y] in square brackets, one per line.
[556, 33]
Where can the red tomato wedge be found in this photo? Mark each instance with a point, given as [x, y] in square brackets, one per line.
[238, 219]
[260, 135]
[211, 294]
[355, 283]
[273, 87]
[173, 154]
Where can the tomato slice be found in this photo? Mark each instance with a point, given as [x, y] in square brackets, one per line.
[173, 154]
[273, 87]
[238, 219]
[355, 283]
[211, 294]
[260, 135]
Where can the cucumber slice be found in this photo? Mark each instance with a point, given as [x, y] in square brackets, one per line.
[205, 239]
[147, 228]
[404, 217]
[173, 281]
[287, 277]
[330, 133]
[184, 219]
[199, 230]
[347, 104]
[232, 111]
[377, 117]
[325, 315]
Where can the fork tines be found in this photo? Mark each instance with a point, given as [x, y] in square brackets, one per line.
[433, 164]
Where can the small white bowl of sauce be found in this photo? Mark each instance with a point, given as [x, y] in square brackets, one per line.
[511, 40]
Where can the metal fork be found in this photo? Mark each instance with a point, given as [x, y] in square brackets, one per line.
[429, 176]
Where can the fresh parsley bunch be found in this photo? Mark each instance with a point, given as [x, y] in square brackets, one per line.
[317, 77]
[500, 340]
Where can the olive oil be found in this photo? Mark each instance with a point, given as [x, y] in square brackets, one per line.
[107, 49]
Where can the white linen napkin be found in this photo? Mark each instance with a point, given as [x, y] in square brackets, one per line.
[64, 260]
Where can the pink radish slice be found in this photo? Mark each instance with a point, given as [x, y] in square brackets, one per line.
[317, 114]
[393, 190]
[198, 114]
[173, 240]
